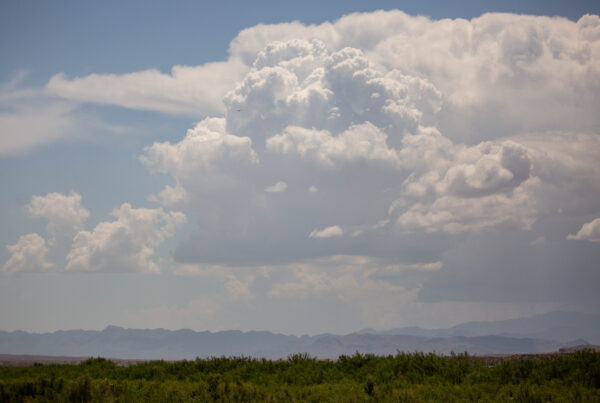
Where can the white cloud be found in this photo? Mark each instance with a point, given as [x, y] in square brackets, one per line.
[590, 231]
[205, 162]
[29, 119]
[360, 142]
[455, 188]
[65, 217]
[64, 213]
[27, 255]
[301, 83]
[279, 187]
[26, 127]
[329, 232]
[487, 169]
[333, 94]
[171, 197]
[422, 120]
[498, 72]
[436, 131]
[566, 164]
[423, 267]
[207, 147]
[503, 71]
[453, 214]
[443, 168]
[212, 171]
[187, 90]
[125, 244]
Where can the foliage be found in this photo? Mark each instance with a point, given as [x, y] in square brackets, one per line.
[414, 377]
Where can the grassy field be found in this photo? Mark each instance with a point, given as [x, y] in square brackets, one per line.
[401, 378]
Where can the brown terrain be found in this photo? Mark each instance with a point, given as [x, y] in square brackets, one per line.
[494, 359]
[24, 360]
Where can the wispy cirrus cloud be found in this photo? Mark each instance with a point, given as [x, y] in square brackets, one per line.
[30, 119]
[187, 90]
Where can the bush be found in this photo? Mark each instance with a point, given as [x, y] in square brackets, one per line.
[403, 377]
[369, 387]
[81, 389]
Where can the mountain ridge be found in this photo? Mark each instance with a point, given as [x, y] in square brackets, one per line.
[556, 325]
[118, 342]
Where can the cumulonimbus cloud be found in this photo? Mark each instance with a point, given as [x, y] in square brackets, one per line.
[445, 127]
[334, 101]
[520, 72]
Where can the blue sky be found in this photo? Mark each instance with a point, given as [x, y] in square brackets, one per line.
[374, 170]
[115, 37]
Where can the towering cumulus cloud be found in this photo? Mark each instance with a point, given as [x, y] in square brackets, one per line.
[323, 115]
[427, 159]
[301, 83]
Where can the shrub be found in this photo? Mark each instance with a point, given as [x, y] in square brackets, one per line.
[81, 389]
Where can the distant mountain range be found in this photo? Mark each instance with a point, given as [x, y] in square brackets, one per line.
[537, 334]
[560, 326]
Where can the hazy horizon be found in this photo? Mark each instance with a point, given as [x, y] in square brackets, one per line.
[364, 329]
[297, 168]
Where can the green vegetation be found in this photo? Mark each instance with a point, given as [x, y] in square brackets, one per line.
[400, 378]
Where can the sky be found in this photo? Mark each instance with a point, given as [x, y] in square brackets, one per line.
[297, 167]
